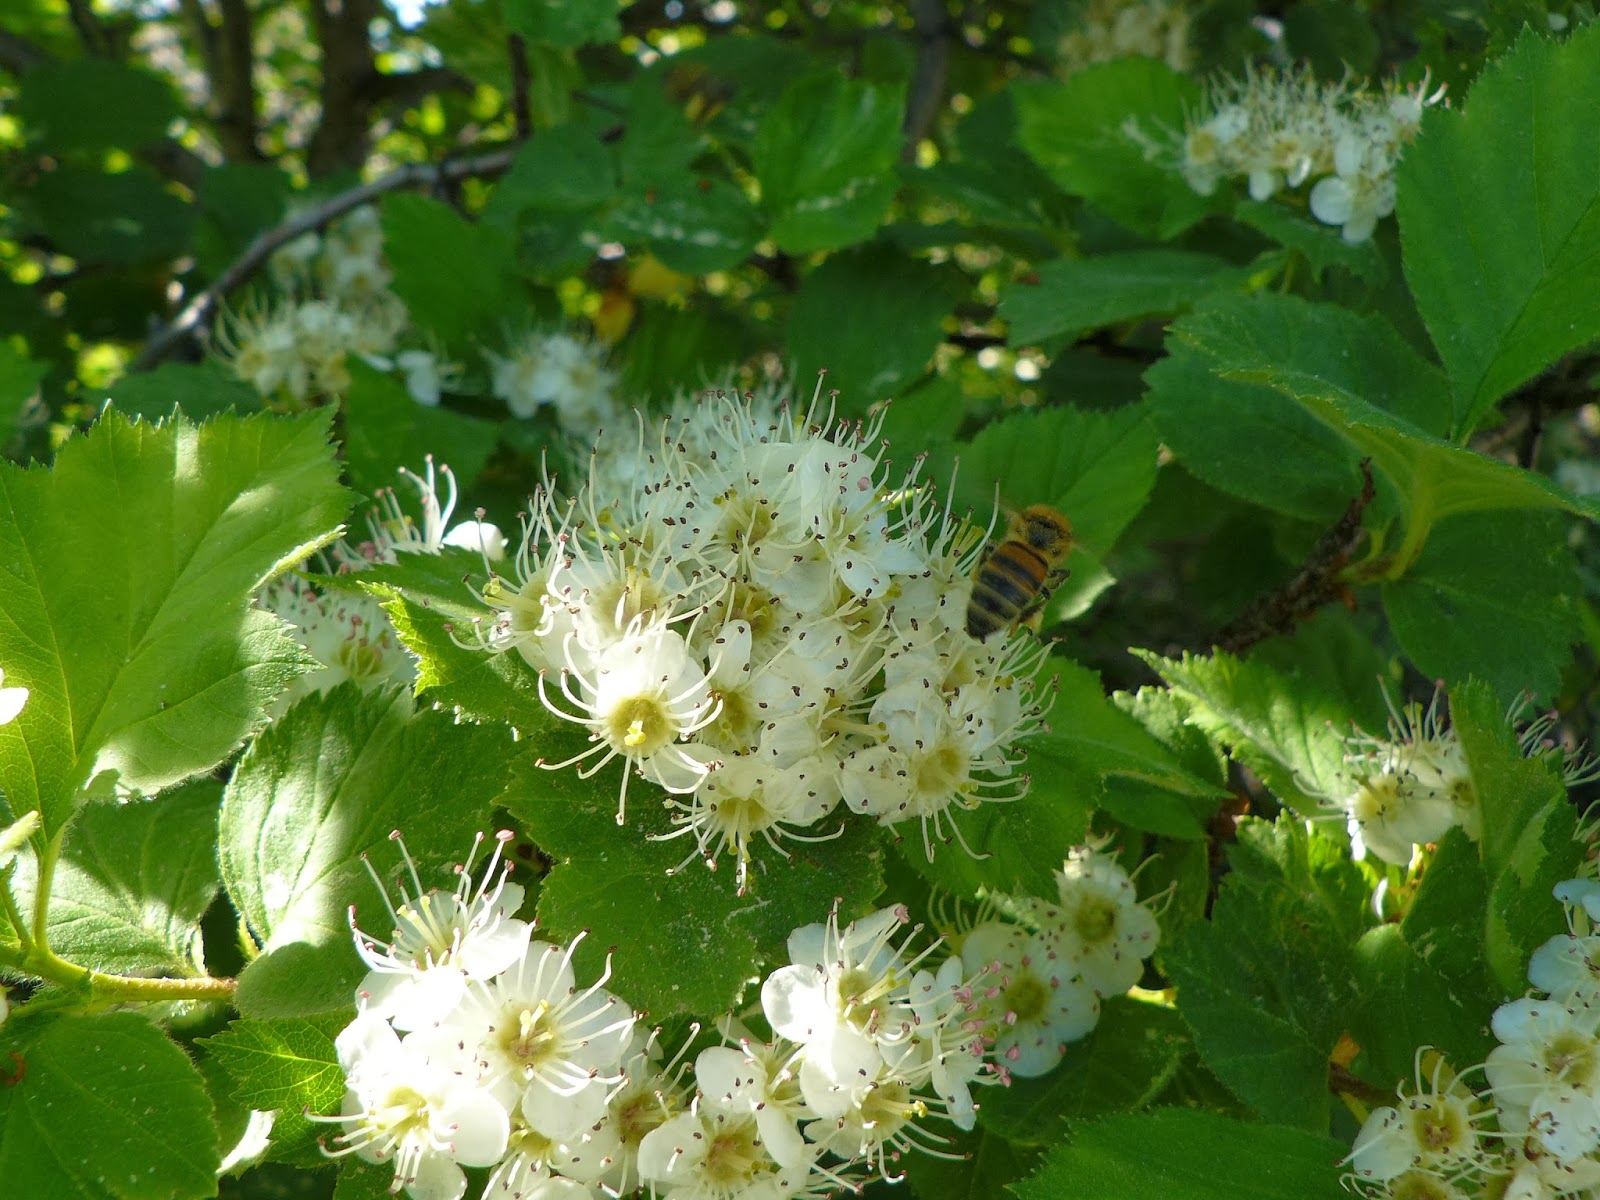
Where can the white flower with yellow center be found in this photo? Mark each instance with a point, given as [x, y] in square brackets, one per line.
[642, 699]
[1434, 1128]
[1033, 1001]
[440, 941]
[1545, 1074]
[405, 1108]
[1109, 933]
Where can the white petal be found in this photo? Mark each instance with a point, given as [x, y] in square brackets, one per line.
[474, 1125]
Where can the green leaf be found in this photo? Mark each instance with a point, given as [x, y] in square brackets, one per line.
[456, 278]
[1499, 209]
[133, 882]
[825, 156]
[1123, 1065]
[431, 604]
[1147, 787]
[872, 319]
[1097, 468]
[1529, 828]
[288, 1066]
[1071, 296]
[1356, 376]
[123, 217]
[198, 390]
[565, 23]
[1077, 131]
[385, 429]
[1284, 711]
[19, 385]
[108, 1107]
[1465, 606]
[1189, 1153]
[1247, 440]
[1265, 983]
[692, 224]
[615, 882]
[1321, 245]
[92, 103]
[566, 169]
[169, 666]
[319, 789]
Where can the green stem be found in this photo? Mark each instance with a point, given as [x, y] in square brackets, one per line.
[119, 989]
[47, 855]
[8, 904]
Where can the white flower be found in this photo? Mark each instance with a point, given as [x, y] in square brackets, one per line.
[718, 1155]
[440, 941]
[641, 699]
[541, 1042]
[845, 997]
[1433, 1129]
[758, 1079]
[427, 375]
[11, 701]
[423, 1116]
[1033, 1000]
[1546, 1073]
[482, 536]
[1111, 933]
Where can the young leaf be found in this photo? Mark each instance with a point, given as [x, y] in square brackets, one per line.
[288, 1066]
[825, 156]
[133, 882]
[1499, 209]
[140, 550]
[1189, 1153]
[322, 787]
[107, 1106]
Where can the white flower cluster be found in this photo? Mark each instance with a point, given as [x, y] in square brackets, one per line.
[754, 618]
[1410, 787]
[1542, 1102]
[475, 1045]
[557, 369]
[1050, 970]
[350, 634]
[1285, 129]
[337, 303]
[1113, 29]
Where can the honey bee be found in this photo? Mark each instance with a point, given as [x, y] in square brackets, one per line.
[1019, 574]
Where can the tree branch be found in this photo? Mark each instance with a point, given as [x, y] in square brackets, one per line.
[926, 97]
[1312, 586]
[234, 84]
[521, 109]
[200, 311]
[19, 56]
[87, 24]
[340, 140]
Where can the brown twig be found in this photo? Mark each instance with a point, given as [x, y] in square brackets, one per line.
[1316, 583]
[926, 96]
[521, 83]
[200, 311]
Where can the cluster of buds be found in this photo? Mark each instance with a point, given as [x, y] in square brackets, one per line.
[556, 369]
[1408, 788]
[348, 633]
[476, 1045]
[1113, 29]
[1284, 129]
[744, 609]
[1534, 1131]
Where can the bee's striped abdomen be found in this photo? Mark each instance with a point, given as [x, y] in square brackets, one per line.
[1007, 582]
